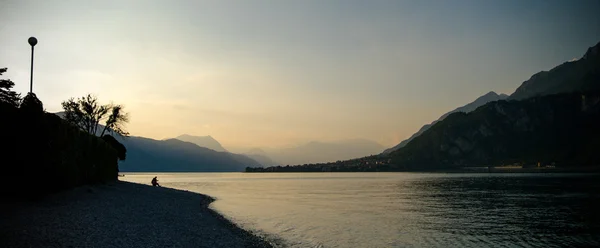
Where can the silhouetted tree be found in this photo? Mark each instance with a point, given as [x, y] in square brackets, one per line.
[6, 94]
[32, 104]
[116, 120]
[120, 148]
[86, 113]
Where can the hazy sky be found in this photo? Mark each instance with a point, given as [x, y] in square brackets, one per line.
[273, 73]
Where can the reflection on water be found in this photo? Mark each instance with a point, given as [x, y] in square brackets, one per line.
[540, 211]
[404, 209]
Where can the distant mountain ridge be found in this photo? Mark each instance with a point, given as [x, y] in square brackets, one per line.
[202, 141]
[317, 152]
[311, 152]
[559, 130]
[574, 76]
[480, 101]
[211, 143]
[551, 118]
[262, 159]
[173, 155]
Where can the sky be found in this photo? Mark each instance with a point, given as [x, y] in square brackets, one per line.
[280, 73]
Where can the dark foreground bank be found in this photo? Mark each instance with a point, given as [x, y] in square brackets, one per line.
[120, 214]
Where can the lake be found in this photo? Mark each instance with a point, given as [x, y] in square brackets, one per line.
[403, 209]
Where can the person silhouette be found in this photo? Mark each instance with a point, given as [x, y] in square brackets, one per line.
[155, 182]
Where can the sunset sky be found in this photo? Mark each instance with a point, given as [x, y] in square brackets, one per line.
[277, 73]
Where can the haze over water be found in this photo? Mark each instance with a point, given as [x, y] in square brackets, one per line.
[284, 73]
[404, 209]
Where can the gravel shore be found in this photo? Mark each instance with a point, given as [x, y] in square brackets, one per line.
[120, 214]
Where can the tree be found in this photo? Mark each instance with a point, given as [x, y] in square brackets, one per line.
[6, 95]
[31, 103]
[116, 120]
[87, 113]
[120, 148]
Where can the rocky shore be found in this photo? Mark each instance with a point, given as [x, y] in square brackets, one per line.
[120, 214]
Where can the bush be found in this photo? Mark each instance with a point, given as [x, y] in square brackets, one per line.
[42, 153]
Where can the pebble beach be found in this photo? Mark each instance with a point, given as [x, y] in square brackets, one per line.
[120, 214]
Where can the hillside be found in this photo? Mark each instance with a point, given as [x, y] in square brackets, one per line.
[176, 155]
[173, 155]
[580, 75]
[480, 101]
[202, 141]
[261, 159]
[209, 142]
[560, 129]
[574, 76]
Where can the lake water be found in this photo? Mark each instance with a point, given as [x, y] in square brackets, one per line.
[403, 209]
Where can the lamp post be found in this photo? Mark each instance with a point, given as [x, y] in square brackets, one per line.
[32, 41]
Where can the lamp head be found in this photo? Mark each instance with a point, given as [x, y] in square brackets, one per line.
[32, 41]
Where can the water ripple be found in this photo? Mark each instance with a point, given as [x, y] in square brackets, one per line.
[406, 209]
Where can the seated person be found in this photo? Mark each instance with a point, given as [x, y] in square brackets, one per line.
[155, 182]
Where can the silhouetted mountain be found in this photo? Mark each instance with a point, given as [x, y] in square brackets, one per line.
[561, 129]
[480, 101]
[245, 159]
[60, 114]
[182, 154]
[173, 155]
[202, 141]
[211, 143]
[255, 153]
[575, 76]
[317, 152]
[555, 122]
[264, 160]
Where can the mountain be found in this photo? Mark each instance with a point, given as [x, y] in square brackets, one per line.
[245, 159]
[260, 156]
[575, 76]
[173, 155]
[202, 141]
[255, 155]
[480, 101]
[178, 155]
[549, 118]
[264, 160]
[317, 152]
[561, 129]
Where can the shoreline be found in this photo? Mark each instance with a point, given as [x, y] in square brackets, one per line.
[120, 214]
[477, 170]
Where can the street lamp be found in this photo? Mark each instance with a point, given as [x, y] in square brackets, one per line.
[32, 41]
